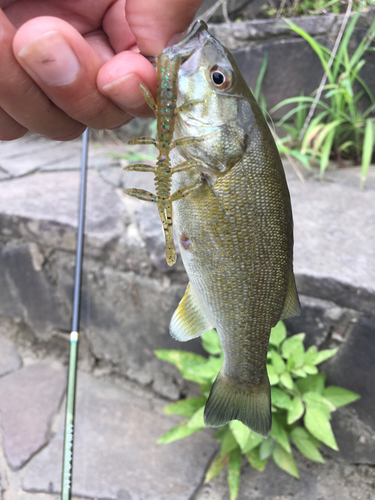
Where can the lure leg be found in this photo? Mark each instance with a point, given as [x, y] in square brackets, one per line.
[141, 194]
[149, 98]
[165, 212]
[139, 167]
[181, 193]
[188, 105]
[144, 140]
[186, 165]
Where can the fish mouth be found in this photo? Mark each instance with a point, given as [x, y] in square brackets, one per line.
[195, 38]
[189, 49]
[188, 45]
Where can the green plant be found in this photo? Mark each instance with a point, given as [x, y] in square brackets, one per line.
[289, 8]
[301, 406]
[339, 128]
[257, 93]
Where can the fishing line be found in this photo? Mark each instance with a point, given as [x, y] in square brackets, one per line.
[67, 466]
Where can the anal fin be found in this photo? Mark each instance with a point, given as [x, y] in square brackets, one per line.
[189, 320]
[291, 306]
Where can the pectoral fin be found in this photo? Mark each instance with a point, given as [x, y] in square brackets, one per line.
[291, 305]
[189, 320]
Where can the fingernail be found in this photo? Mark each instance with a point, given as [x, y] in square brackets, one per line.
[177, 38]
[125, 91]
[51, 58]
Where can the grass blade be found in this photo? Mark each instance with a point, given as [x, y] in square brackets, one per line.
[368, 148]
[260, 77]
[320, 51]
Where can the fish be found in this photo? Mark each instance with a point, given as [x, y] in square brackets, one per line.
[234, 229]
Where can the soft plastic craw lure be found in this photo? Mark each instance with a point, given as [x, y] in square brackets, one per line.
[165, 111]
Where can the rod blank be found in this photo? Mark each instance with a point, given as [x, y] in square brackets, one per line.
[67, 468]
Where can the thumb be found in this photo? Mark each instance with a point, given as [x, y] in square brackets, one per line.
[155, 23]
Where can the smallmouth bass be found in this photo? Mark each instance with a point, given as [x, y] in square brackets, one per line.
[235, 231]
[234, 226]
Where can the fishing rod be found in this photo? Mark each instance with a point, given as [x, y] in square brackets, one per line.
[67, 467]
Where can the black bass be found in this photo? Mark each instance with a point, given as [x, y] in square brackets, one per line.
[235, 228]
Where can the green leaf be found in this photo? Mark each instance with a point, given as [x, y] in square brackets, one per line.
[255, 461]
[286, 380]
[204, 372]
[216, 467]
[313, 383]
[306, 444]
[263, 105]
[295, 411]
[278, 334]
[298, 372]
[181, 359]
[253, 441]
[368, 148]
[324, 133]
[313, 129]
[211, 342]
[186, 407]
[279, 434]
[325, 354]
[219, 435]
[205, 388]
[280, 399]
[197, 421]
[303, 158]
[260, 77]
[266, 448]
[320, 51]
[316, 400]
[285, 461]
[310, 369]
[278, 362]
[318, 424]
[339, 396]
[326, 150]
[297, 357]
[310, 355]
[228, 443]
[178, 432]
[240, 432]
[272, 375]
[234, 469]
[291, 344]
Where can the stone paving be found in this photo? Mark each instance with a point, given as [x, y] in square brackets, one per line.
[129, 296]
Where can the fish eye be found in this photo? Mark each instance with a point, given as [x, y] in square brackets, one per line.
[220, 77]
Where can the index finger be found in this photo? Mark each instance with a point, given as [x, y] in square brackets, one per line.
[155, 23]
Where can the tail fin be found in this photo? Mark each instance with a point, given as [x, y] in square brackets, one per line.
[232, 400]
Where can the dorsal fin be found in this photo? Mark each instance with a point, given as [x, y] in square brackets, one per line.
[189, 319]
[291, 306]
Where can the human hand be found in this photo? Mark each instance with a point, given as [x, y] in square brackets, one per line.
[68, 64]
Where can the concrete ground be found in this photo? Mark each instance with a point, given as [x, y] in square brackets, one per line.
[119, 417]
